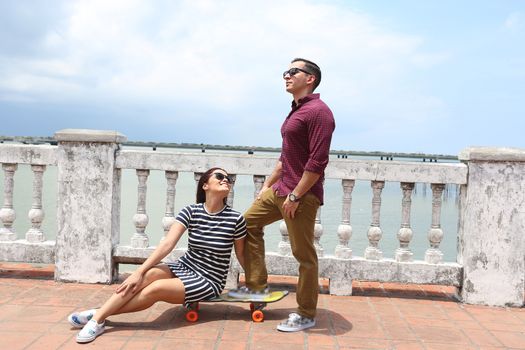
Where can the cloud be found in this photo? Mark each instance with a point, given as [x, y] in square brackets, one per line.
[215, 56]
[513, 21]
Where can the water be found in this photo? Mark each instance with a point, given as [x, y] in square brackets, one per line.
[244, 189]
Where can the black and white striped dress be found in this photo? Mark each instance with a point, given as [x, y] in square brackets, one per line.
[203, 268]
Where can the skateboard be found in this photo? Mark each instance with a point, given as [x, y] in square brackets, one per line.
[256, 306]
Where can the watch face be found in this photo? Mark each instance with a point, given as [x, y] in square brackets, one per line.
[292, 197]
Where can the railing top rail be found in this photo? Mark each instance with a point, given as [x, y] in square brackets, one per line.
[194, 162]
[398, 171]
[28, 154]
[241, 164]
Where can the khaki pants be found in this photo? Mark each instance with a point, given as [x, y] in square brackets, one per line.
[267, 210]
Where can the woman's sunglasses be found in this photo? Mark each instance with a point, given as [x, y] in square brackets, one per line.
[221, 176]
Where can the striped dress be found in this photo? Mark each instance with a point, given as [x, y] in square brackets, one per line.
[203, 268]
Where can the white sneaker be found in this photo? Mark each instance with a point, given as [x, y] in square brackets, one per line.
[79, 319]
[91, 330]
[249, 294]
[296, 322]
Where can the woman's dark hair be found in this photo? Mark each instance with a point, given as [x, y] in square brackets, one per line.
[312, 68]
[201, 194]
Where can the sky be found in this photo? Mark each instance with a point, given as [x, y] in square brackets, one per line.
[432, 76]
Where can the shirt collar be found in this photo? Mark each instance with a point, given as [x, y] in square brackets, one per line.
[305, 99]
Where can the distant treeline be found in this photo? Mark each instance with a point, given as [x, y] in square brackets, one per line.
[34, 140]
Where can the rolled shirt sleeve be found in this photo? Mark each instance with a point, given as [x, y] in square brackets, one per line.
[320, 130]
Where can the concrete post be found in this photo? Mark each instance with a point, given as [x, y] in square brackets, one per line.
[88, 208]
[492, 227]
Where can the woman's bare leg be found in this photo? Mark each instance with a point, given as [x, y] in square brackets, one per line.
[167, 290]
[117, 302]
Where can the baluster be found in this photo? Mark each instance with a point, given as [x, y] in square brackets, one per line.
[7, 213]
[344, 231]
[258, 181]
[372, 252]
[36, 214]
[284, 245]
[197, 177]
[433, 255]
[231, 195]
[318, 232]
[169, 216]
[140, 219]
[405, 234]
[446, 191]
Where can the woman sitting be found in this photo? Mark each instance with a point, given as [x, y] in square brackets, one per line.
[213, 228]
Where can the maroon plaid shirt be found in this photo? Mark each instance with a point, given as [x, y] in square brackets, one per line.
[307, 133]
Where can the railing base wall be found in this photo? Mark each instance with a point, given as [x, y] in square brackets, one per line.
[24, 251]
[341, 272]
[124, 254]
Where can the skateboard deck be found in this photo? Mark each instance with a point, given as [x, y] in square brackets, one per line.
[256, 306]
[272, 298]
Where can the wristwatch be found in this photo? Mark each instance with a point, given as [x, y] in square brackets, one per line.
[293, 198]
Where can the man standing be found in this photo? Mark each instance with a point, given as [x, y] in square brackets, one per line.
[293, 192]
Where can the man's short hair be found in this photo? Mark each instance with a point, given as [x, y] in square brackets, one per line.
[312, 68]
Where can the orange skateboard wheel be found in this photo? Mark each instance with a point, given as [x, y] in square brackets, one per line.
[192, 316]
[257, 316]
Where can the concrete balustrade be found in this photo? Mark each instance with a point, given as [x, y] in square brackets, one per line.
[490, 268]
[492, 227]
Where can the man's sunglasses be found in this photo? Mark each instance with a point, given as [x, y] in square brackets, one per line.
[293, 71]
[221, 176]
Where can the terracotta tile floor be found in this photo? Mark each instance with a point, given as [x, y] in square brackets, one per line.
[33, 311]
